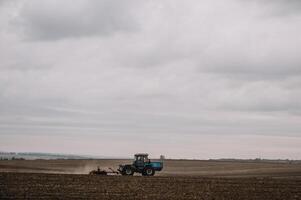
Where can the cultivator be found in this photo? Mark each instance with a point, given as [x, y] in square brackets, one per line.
[101, 172]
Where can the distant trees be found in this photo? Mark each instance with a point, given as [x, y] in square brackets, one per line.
[12, 158]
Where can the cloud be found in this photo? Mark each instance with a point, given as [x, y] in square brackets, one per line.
[241, 43]
[158, 68]
[3, 2]
[53, 20]
[281, 7]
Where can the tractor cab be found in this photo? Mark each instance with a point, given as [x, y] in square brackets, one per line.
[141, 160]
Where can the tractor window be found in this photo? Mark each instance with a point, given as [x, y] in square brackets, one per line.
[139, 158]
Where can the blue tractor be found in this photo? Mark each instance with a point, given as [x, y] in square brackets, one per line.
[141, 165]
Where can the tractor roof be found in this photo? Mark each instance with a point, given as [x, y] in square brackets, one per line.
[141, 154]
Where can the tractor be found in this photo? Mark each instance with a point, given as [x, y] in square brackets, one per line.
[142, 164]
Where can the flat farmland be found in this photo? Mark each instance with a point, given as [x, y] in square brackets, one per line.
[171, 167]
[180, 179]
[66, 186]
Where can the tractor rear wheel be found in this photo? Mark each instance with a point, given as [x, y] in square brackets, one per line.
[148, 171]
[128, 171]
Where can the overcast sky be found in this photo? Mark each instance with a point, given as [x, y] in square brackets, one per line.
[186, 79]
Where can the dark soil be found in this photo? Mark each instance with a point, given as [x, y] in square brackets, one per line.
[71, 186]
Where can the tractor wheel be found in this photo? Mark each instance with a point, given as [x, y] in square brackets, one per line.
[128, 171]
[148, 171]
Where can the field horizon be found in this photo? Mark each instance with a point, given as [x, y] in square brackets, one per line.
[172, 167]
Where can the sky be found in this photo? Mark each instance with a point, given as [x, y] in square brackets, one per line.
[186, 79]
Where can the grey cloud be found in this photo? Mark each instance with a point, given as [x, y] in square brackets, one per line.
[193, 67]
[240, 44]
[265, 101]
[2, 2]
[278, 8]
[285, 4]
[247, 71]
[53, 20]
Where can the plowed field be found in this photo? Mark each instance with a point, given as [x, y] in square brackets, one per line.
[180, 179]
[63, 186]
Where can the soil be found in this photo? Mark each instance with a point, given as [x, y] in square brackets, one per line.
[70, 186]
[180, 179]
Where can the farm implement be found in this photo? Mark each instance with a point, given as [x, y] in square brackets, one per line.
[103, 172]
